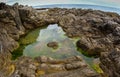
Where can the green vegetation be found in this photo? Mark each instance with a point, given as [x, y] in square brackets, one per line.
[18, 52]
[84, 52]
[97, 68]
[89, 59]
[28, 39]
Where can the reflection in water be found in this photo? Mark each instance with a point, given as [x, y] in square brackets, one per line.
[52, 33]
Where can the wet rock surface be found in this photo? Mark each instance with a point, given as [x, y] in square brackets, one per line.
[49, 67]
[99, 32]
[53, 45]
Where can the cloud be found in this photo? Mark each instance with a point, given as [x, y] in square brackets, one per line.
[44, 2]
[112, 3]
[3, 0]
[116, 1]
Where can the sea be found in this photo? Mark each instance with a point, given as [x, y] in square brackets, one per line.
[83, 6]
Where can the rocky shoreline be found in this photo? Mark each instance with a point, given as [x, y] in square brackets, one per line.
[99, 34]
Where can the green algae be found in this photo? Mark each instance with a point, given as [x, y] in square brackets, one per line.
[84, 53]
[29, 38]
[97, 68]
[18, 52]
[89, 60]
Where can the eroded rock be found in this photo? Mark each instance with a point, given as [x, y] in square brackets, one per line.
[99, 32]
[45, 66]
[110, 63]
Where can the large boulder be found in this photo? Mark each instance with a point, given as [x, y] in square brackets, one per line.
[94, 47]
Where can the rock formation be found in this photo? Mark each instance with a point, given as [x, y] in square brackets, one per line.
[110, 63]
[53, 45]
[99, 32]
[44, 66]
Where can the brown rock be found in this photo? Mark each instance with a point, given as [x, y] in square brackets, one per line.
[98, 31]
[110, 63]
[53, 45]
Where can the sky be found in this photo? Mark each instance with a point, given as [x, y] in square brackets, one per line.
[110, 3]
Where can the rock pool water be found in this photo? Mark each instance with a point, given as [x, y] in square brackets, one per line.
[35, 44]
[53, 33]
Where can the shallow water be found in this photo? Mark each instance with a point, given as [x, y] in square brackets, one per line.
[53, 33]
[34, 44]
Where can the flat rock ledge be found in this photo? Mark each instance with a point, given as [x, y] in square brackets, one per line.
[48, 67]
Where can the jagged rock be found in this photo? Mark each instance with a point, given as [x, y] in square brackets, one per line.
[7, 44]
[110, 63]
[5, 59]
[93, 47]
[25, 67]
[98, 31]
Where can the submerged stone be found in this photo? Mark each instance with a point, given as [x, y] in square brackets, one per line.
[53, 45]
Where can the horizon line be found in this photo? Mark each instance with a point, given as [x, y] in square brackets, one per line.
[78, 4]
